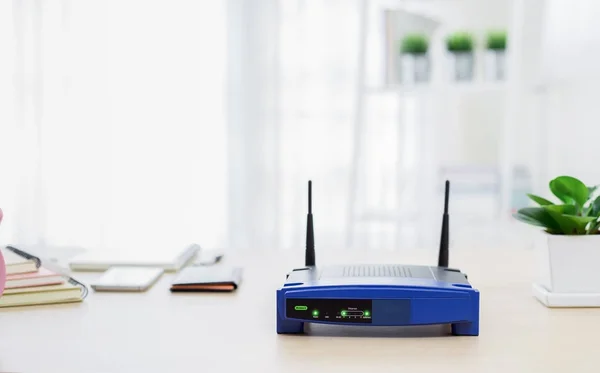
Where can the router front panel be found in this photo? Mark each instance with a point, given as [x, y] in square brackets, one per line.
[377, 305]
[356, 311]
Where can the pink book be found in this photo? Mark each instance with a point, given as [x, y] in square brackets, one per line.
[42, 277]
[2, 274]
[2, 266]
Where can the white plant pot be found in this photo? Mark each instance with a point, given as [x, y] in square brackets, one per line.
[463, 64]
[568, 270]
[414, 68]
[495, 65]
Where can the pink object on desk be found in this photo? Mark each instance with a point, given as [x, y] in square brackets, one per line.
[42, 277]
[2, 266]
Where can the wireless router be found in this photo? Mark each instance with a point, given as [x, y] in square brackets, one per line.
[378, 295]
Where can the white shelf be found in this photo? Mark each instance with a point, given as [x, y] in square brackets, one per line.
[437, 107]
[451, 87]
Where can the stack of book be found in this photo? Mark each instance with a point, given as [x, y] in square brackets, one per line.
[28, 282]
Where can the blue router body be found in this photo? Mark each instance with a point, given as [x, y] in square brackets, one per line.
[340, 296]
[378, 295]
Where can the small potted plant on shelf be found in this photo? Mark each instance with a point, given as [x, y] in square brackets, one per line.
[413, 58]
[460, 45]
[568, 247]
[495, 55]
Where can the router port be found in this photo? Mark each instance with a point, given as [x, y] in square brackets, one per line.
[354, 313]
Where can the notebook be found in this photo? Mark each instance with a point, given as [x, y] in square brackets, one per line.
[18, 261]
[196, 279]
[168, 260]
[40, 278]
[68, 292]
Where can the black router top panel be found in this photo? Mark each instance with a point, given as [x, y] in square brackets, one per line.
[372, 273]
[404, 271]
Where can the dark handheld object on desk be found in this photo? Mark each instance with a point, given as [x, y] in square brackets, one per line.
[378, 295]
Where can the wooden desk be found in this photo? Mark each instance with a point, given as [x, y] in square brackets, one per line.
[162, 332]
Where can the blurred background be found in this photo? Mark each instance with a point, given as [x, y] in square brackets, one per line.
[150, 124]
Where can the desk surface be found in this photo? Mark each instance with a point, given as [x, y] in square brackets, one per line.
[158, 331]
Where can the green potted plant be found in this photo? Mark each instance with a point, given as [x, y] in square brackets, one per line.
[414, 58]
[460, 45]
[568, 247]
[495, 55]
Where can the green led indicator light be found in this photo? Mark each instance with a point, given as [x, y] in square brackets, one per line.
[315, 312]
[344, 313]
[367, 313]
[301, 308]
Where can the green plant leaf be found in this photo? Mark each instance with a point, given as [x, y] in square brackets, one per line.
[592, 189]
[526, 219]
[570, 190]
[414, 44]
[537, 216]
[460, 41]
[595, 207]
[561, 209]
[496, 40]
[566, 226]
[569, 224]
[581, 222]
[593, 229]
[539, 200]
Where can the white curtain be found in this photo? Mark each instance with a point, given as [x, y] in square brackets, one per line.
[569, 66]
[116, 136]
[290, 106]
[318, 56]
[571, 41]
[147, 124]
[9, 146]
[151, 124]
[320, 52]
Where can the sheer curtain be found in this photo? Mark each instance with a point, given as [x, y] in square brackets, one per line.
[320, 46]
[9, 134]
[118, 131]
[318, 57]
[570, 59]
[152, 124]
[571, 39]
[292, 73]
[146, 124]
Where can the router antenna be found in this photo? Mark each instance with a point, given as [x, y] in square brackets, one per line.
[310, 234]
[444, 241]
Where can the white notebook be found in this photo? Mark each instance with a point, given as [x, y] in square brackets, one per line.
[17, 261]
[67, 292]
[168, 260]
